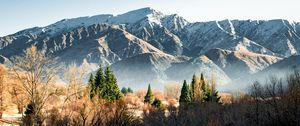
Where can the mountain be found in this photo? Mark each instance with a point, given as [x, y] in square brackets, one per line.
[147, 46]
[97, 43]
[280, 69]
[158, 68]
[184, 70]
[276, 36]
[155, 28]
[239, 63]
[283, 67]
[147, 67]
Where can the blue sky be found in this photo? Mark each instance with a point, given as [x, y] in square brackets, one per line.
[20, 14]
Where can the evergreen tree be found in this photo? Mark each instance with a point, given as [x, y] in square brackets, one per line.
[202, 77]
[29, 110]
[28, 115]
[193, 86]
[110, 90]
[212, 94]
[215, 97]
[207, 97]
[99, 81]
[129, 90]
[124, 90]
[185, 93]
[157, 103]
[149, 97]
[92, 86]
[204, 89]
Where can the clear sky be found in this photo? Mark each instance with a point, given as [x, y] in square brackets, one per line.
[20, 14]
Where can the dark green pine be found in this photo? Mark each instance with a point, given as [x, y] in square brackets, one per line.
[185, 93]
[149, 97]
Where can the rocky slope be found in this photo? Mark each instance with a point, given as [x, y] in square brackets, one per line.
[146, 46]
[282, 68]
[240, 63]
[267, 37]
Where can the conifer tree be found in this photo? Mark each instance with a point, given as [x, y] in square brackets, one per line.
[157, 103]
[193, 86]
[124, 90]
[215, 97]
[185, 94]
[99, 81]
[29, 110]
[129, 90]
[92, 86]
[149, 97]
[212, 94]
[204, 89]
[207, 97]
[110, 90]
[202, 77]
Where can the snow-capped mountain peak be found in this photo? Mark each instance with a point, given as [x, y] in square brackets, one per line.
[69, 24]
[174, 22]
[146, 16]
[137, 15]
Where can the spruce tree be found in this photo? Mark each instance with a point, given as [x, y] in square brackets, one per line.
[92, 86]
[207, 97]
[124, 90]
[110, 91]
[99, 81]
[129, 90]
[214, 95]
[202, 77]
[193, 86]
[204, 89]
[185, 94]
[149, 97]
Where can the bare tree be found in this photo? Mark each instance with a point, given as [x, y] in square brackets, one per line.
[74, 76]
[16, 93]
[75, 89]
[276, 102]
[292, 99]
[18, 97]
[2, 90]
[36, 72]
[172, 90]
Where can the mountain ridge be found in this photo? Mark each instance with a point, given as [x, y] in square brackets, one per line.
[145, 33]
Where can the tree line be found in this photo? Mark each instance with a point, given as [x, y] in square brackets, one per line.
[198, 91]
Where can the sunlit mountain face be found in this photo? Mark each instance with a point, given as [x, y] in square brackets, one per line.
[147, 46]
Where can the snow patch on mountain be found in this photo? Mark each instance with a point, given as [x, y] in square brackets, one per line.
[174, 23]
[292, 50]
[68, 24]
[131, 17]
